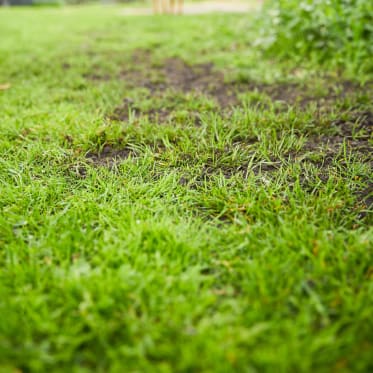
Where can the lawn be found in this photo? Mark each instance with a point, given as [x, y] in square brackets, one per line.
[172, 200]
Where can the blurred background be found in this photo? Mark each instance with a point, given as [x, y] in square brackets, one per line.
[336, 33]
[134, 2]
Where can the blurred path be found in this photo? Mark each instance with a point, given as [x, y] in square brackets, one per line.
[204, 7]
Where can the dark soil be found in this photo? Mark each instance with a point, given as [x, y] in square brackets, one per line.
[167, 83]
[175, 75]
[108, 156]
[355, 132]
[161, 113]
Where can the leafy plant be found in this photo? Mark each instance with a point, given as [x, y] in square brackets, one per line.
[331, 31]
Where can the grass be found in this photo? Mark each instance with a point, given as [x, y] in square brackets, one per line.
[218, 239]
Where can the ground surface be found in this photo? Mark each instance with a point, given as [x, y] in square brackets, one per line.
[172, 201]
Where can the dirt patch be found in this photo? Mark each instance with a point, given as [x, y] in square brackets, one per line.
[161, 112]
[365, 198]
[66, 66]
[355, 132]
[175, 76]
[97, 76]
[202, 79]
[169, 85]
[359, 124]
[108, 156]
[172, 76]
[327, 152]
[113, 154]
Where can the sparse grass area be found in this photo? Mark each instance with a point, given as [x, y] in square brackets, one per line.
[172, 201]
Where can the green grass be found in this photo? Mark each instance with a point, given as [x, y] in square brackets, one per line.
[243, 243]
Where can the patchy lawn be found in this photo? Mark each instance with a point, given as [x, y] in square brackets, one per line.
[172, 201]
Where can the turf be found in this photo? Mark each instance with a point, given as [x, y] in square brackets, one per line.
[173, 201]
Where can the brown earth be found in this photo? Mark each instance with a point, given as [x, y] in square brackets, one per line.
[108, 156]
[175, 75]
[174, 78]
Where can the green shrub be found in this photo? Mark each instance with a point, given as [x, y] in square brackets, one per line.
[332, 31]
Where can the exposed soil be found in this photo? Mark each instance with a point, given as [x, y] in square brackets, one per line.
[174, 75]
[108, 156]
[167, 83]
[353, 134]
[168, 86]
[164, 112]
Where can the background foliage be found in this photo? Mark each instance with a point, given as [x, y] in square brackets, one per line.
[331, 31]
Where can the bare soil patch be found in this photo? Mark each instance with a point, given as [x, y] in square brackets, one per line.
[108, 156]
[354, 135]
[355, 132]
[172, 75]
[169, 84]
[177, 76]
